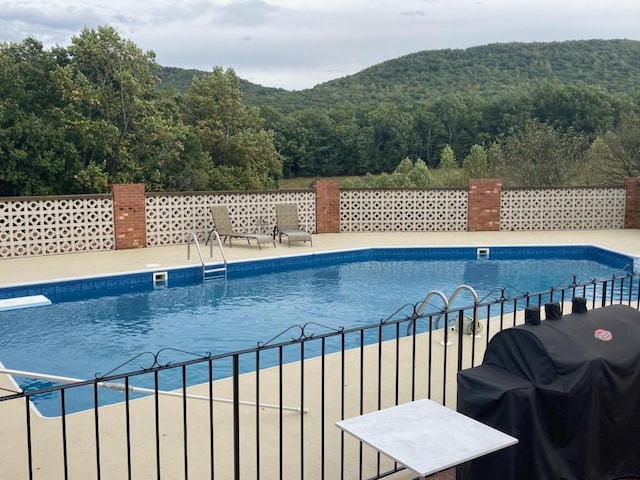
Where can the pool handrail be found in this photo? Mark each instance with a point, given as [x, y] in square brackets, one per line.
[192, 237]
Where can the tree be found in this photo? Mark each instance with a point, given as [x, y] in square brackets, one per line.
[405, 166]
[426, 126]
[36, 155]
[406, 175]
[452, 111]
[75, 120]
[420, 176]
[475, 164]
[241, 151]
[537, 156]
[582, 108]
[449, 172]
[286, 138]
[353, 138]
[614, 155]
[448, 159]
[121, 123]
[109, 86]
[316, 144]
[393, 135]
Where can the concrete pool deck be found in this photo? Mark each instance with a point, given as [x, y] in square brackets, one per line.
[47, 445]
[54, 267]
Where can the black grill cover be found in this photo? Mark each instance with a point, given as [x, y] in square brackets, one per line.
[568, 389]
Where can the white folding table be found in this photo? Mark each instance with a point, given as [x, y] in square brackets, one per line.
[425, 436]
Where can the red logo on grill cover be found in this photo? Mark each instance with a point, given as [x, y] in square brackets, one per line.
[602, 334]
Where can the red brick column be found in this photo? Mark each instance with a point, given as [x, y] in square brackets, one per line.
[632, 208]
[484, 205]
[129, 212]
[327, 206]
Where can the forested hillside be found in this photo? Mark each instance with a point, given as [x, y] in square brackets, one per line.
[539, 114]
[76, 119]
[488, 71]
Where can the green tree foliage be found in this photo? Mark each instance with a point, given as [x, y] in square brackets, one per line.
[538, 155]
[426, 125]
[407, 174]
[475, 164]
[448, 159]
[489, 71]
[451, 110]
[586, 109]
[450, 174]
[316, 144]
[124, 127]
[36, 156]
[241, 150]
[412, 106]
[393, 134]
[420, 176]
[353, 136]
[614, 155]
[109, 86]
[75, 119]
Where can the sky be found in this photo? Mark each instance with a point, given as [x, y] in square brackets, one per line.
[296, 44]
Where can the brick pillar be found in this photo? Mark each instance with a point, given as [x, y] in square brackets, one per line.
[484, 205]
[632, 206]
[129, 212]
[327, 206]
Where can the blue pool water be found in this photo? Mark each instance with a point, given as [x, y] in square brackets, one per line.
[89, 331]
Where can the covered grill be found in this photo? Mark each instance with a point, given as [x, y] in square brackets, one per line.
[568, 389]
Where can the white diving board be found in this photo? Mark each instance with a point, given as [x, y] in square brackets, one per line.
[24, 302]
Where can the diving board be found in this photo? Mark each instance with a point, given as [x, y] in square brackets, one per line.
[24, 302]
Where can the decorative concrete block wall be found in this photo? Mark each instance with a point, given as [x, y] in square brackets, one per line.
[131, 218]
[32, 226]
[577, 208]
[172, 216]
[403, 210]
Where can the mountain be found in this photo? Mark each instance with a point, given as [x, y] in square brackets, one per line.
[491, 70]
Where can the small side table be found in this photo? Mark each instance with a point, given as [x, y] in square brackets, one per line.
[425, 436]
[262, 226]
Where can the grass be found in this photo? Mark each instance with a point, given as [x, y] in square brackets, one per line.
[303, 182]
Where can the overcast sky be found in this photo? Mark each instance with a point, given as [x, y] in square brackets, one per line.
[296, 44]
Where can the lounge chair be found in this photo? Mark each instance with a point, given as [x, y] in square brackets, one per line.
[287, 224]
[222, 225]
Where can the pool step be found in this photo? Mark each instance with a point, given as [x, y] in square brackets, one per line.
[214, 273]
[208, 273]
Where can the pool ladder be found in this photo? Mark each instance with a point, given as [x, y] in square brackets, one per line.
[208, 273]
[469, 326]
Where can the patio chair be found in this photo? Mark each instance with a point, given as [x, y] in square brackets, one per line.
[222, 225]
[287, 224]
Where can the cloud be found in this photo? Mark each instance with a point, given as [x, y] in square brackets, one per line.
[297, 44]
[244, 14]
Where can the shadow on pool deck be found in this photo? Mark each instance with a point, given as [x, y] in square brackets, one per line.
[446, 475]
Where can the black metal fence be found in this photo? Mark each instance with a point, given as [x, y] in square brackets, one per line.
[267, 412]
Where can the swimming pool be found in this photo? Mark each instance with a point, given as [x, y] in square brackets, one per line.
[97, 324]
